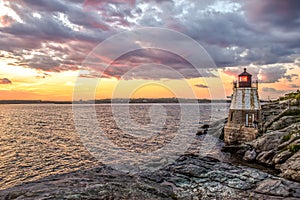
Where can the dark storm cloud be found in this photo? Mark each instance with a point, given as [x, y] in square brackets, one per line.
[283, 14]
[5, 81]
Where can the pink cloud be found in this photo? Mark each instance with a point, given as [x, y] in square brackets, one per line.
[6, 20]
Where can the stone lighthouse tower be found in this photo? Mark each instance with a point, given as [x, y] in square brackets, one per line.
[244, 115]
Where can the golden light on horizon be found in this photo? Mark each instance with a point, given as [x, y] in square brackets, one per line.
[31, 84]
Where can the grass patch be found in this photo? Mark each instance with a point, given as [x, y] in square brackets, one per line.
[294, 148]
[292, 112]
[286, 137]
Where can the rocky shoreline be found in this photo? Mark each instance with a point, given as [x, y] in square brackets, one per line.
[190, 177]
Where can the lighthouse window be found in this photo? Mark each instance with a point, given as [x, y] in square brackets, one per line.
[243, 78]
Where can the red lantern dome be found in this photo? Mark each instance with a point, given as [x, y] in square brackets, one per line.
[245, 79]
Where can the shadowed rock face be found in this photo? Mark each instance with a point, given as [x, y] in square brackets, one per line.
[189, 177]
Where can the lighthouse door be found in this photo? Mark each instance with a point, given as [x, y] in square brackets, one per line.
[250, 120]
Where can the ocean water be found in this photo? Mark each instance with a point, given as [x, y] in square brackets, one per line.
[40, 140]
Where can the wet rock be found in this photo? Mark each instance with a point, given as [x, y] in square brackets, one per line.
[250, 155]
[291, 168]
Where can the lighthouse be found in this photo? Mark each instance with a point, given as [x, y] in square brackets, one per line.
[244, 115]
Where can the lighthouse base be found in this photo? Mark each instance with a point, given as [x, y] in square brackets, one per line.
[238, 135]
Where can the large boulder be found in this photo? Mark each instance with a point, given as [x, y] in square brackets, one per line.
[250, 155]
[284, 122]
[282, 156]
[268, 141]
[291, 168]
[266, 157]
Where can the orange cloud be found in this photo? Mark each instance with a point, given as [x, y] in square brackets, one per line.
[6, 20]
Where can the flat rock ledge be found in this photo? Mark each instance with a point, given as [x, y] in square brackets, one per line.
[190, 177]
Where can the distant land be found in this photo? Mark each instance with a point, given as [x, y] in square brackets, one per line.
[108, 101]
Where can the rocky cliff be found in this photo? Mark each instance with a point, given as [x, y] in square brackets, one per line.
[279, 145]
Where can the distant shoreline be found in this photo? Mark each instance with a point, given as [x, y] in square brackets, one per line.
[119, 101]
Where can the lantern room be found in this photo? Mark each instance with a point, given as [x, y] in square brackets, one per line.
[245, 79]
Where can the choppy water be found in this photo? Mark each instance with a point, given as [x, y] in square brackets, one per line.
[40, 140]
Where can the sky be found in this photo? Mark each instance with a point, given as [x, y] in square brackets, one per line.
[51, 49]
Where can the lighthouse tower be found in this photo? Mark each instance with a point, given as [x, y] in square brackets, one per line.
[244, 115]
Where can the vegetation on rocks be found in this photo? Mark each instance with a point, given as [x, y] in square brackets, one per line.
[290, 96]
[293, 112]
[286, 138]
[294, 148]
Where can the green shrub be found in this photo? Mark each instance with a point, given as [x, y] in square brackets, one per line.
[286, 137]
[294, 148]
[292, 112]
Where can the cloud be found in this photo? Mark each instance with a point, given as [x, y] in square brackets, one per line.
[6, 20]
[284, 14]
[290, 77]
[235, 33]
[146, 64]
[273, 90]
[93, 3]
[264, 73]
[272, 74]
[201, 86]
[5, 81]
[295, 86]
